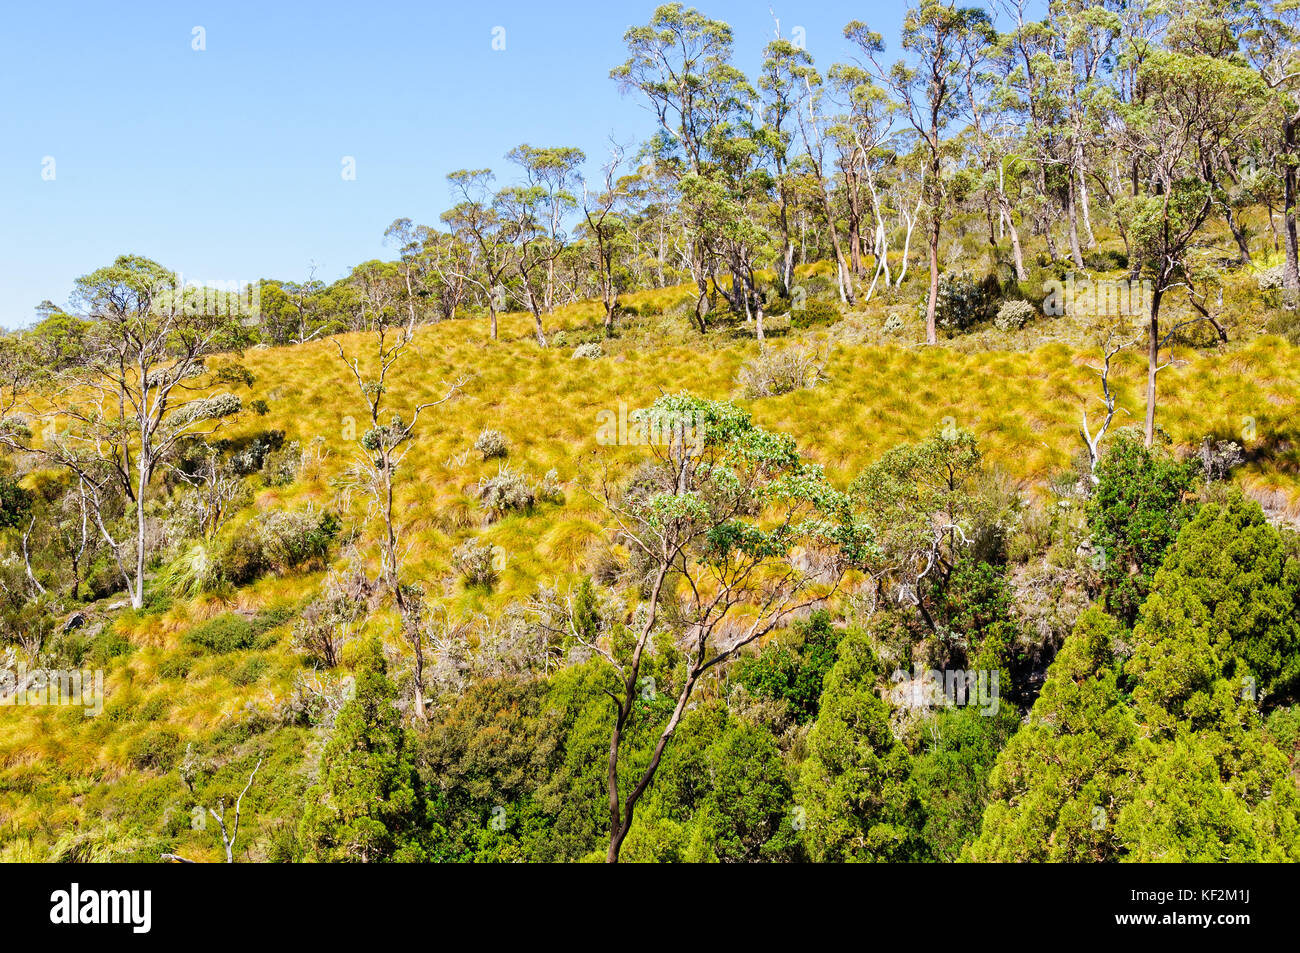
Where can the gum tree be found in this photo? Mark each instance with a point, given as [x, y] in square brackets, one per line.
[140, 386]
[736, 534]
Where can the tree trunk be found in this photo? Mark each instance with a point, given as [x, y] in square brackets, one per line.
[931, 305]
[1153, 363]
[1290, 268]
[1076, 254]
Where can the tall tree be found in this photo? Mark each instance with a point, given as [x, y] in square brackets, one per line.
[945, 43]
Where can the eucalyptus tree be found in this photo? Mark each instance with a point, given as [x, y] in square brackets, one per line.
[477, 224]
[140, 387]
[532, 213]
[1271, 44]
[1195, 106]
[736, 534]
[944, 43]
[867, 144]
[783, 91]
[605, 221]
[680, 62]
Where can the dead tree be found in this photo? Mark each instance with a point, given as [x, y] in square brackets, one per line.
[1093, 441]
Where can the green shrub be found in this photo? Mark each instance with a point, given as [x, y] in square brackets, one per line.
[1108, 259]
[963, 300]
[176, 665]
[108, 645]
[155, 750]
[242, 560]
[814, 313]
[1135, 512]
[224, 633]
[249, 672]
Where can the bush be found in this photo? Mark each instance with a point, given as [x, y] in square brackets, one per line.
[1014, 315]
[814, 313]
[280, 467]
[291, 540]
[155, 751]
[507, 492]
[475, 563]
[773, 373]
[1230, 574]
[589, 352]
[15, 503]
[249, 672]
[249, 453]
[1109, 259]
[1139, 505]
[492, 443]
[963, 300]
[242, 560]
[224, 633]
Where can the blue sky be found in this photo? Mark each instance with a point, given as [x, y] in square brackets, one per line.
[225, 164]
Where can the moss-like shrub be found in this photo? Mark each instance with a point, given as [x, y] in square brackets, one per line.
[814, 313]
[223, 633]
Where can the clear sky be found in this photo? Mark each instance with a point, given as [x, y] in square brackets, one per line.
[225, 163]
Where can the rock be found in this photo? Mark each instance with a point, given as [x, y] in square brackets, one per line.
[74, 621]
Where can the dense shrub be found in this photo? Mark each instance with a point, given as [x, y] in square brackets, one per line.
[293, 539]
[1229, 572]
[155, 750]
[793, 672]
[1014, 315]
[814, 313]
[1136, 511]
[491, 443]
[227, 632]
[963, 300]
[589, 352]
[15, 503]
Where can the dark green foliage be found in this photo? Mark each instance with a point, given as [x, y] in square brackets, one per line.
[964, 301]
[814, 313]
[369, 805]
[793, 671]
[1056, 786]
[227, 632]
[856, 792]
[1229, 573]
[721, 795]
[15, 503]
[155, 750]
[1137, 509]
[952, 773]
[242, 560]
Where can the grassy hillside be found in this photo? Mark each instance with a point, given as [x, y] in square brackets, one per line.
[111, 786]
